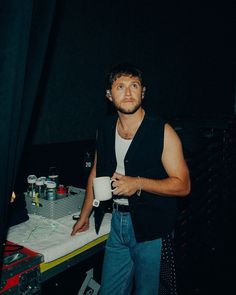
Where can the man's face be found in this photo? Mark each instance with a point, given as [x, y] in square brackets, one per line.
[126, 94]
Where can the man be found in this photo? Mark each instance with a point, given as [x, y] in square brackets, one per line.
[143, 154]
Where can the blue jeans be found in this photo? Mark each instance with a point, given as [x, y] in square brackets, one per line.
[125, 260]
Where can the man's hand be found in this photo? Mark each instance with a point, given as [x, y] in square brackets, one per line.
[125, 185]
[81, 225]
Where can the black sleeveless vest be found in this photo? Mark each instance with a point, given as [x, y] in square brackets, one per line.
[152, 216]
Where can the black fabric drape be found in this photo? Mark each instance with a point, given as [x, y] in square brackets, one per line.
[25, 28]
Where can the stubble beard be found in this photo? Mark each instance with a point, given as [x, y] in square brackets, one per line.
[129, 110]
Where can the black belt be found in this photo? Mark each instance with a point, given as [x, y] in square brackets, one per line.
[121, 208]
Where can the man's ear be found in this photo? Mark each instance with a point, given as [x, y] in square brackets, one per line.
[108, 95]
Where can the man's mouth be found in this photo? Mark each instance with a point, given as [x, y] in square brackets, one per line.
[128, 100]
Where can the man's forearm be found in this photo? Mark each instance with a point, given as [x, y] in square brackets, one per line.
[88, 200]
[171, 186]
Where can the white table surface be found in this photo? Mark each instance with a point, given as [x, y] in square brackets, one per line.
[52, 238]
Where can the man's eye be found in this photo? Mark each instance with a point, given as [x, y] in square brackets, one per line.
[135, 85]
[120, 87]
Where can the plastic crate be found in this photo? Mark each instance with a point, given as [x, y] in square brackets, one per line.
[54, 209]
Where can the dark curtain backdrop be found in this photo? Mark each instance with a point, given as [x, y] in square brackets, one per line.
[186, 50]
[24, 33]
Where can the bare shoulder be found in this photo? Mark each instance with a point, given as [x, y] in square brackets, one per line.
[170, 135]
[172, 149]
[172, 156]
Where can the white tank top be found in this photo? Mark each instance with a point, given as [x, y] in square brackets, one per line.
[121, 148]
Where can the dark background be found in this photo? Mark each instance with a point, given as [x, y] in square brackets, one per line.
[187, 54]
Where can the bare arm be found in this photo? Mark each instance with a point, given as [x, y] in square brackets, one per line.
[176, 184]
[83, 223]
[178, 181]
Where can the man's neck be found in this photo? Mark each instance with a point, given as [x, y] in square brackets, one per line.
[128, 121]
[128, 124]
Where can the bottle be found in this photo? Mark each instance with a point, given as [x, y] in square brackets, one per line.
[44, 179]
[31, 180]
[51, 190]
[40, 187]
[61, 191]
[53, 175]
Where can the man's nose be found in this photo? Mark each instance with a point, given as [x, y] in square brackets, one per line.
[127, 91]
